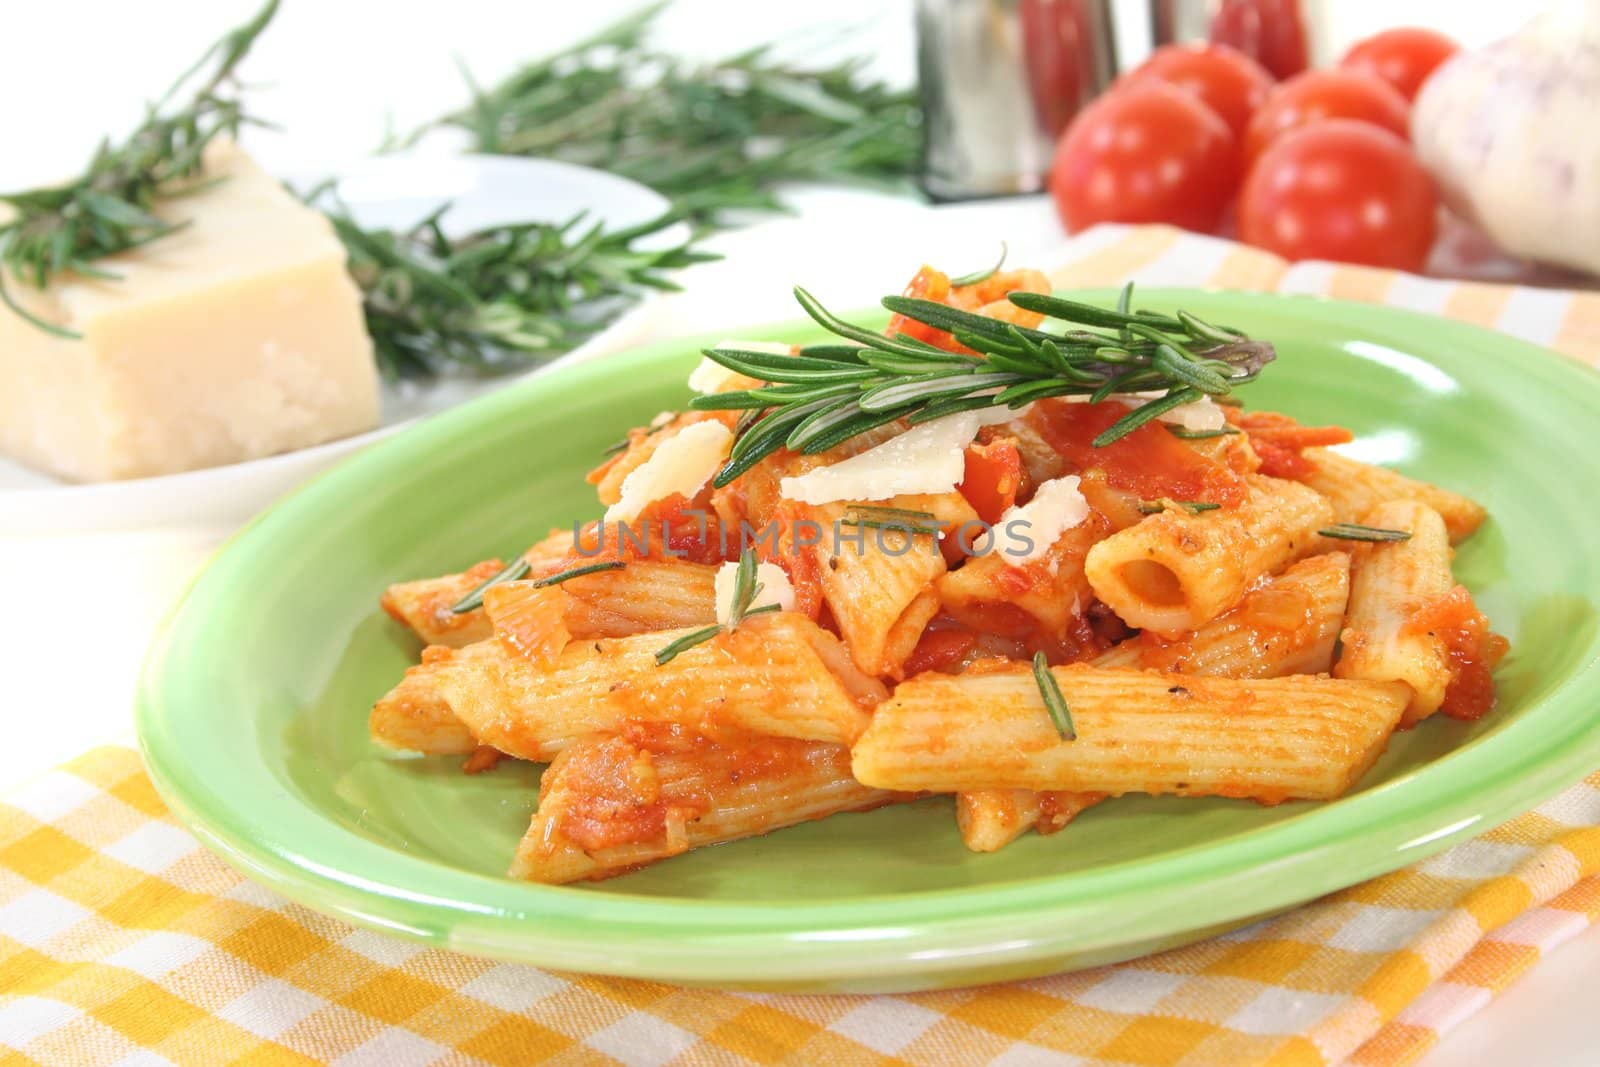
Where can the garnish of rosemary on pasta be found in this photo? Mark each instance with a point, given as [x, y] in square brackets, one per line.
[1054, 701]
[745, 590]
[829, 393]
[518, 569]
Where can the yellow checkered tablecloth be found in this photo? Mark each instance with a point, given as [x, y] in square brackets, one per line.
[120, 936]
[122, 941]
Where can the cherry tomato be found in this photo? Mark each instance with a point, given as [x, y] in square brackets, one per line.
[1268, 31]
[1341, 190]
[1326, 94]
[1147, 152]
[1225, 79]
[1402, 57]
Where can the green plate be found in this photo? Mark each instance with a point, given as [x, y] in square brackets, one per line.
[253, 705]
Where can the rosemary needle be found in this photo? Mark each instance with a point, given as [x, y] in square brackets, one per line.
[474, 600]
[579, 572]
[1350, 531]
[1054, 701]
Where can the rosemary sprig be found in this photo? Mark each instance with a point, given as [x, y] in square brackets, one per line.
[1054, 701]
[511, 572]
[110, 208]
[498, 297]
[1351, 531]
[916, 523]
[745, 591]
[830, 393]
[714, 137]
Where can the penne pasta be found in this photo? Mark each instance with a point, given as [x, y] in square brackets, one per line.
[879, 583]
[424, 605]
[990, 819]
[1288, 625]
[1268, 739]
[609, 804]
[777, 674]
[413, 717]
[1176, 571]
[1355, 488]
[1045, 596]
[1392, 583]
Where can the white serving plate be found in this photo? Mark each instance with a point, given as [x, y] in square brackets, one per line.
[391, 191]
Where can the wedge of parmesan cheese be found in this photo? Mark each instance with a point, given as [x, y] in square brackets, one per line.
[1025, 532]
[710, 377]
[237, 336]
[775, 589]
[683, 463]
[928, 458]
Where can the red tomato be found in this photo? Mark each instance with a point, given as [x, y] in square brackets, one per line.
[1402, 57]
[1148, 152]
[1326, 94]
[1341, 190]
[1225, 79]
[1268, 31]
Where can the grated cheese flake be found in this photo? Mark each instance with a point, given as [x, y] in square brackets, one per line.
[775, 589]
[683, 463]
[928, 458]
[1025, 532]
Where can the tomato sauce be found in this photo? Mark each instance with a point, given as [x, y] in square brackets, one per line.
[1149, 462]
[992, 477]
[1279, 439]
[941, 650]
[986, 297]
[1474, 651]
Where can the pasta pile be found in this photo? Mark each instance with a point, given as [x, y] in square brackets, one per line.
[1233, 611]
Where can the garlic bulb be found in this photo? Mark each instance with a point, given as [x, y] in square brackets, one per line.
[1511, 134]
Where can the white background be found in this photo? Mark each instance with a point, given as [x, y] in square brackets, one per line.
[334, 75]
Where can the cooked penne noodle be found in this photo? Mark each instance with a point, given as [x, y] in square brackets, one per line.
[1392, 582]
[777, 674]
[1288, 625]
[413, 717]
[608, 804]
[645, 595]
[1047, 595]
[1176, 571]
[1267, 739]
[1355, 488]
[990, 819]
[879, 582]
[424, 605]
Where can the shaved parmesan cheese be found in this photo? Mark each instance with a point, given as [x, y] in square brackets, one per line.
[710, 377]
[1026, 531]
[928, 458]
[775, 589]
[683, 463]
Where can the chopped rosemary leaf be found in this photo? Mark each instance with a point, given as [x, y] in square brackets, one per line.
[616, 447]
[979, 276]
[579, 572]
[1351, 531]
[878, 510]
[1054, 702]
[914, 529]
[1201, 435]
[686, 642]
[474, 600]
[1193, 507]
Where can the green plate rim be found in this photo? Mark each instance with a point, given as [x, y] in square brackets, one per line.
[1391, 825]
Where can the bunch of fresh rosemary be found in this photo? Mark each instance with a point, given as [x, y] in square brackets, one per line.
[110, 208]
[713, 137]
[829, 393]
[500, 296]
